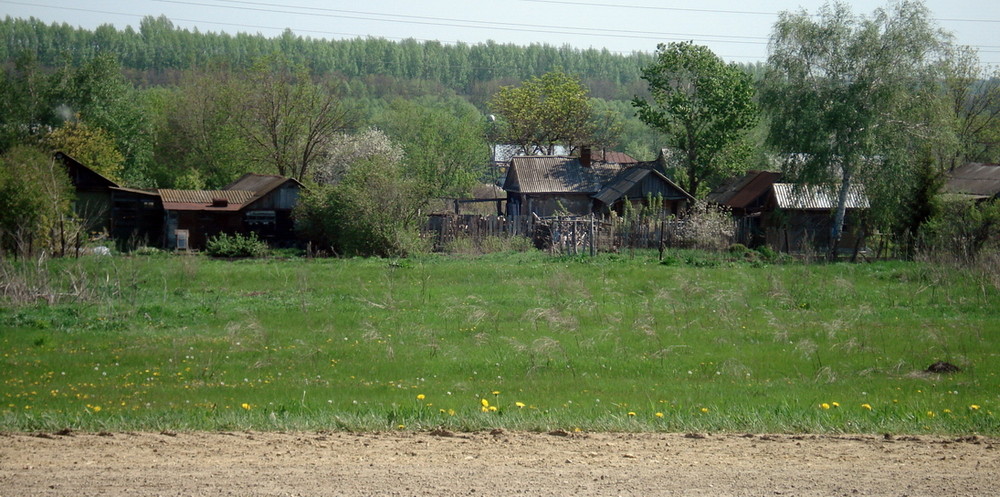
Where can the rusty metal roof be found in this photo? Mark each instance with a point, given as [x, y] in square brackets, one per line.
[194, 200]
[975, 178]
[742, 192]
[809, 197]
[557, 174]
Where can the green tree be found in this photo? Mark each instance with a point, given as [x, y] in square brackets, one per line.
[703, 106]
[287, 119]
[90, 145]
[35, 202]
[443, 142]
[369, 207]
[200, 144]
[544, 112]
[841, 94]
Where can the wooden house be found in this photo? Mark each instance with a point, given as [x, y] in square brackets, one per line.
[92, 202]
[255, 203]
[578, 186]
[798, 218]
[974, 181]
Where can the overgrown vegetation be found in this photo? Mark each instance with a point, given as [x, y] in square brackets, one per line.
[236, 245]
[513, 340]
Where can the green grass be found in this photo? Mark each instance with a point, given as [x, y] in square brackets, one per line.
[190, 343]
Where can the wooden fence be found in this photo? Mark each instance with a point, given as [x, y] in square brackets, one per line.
[578, 234]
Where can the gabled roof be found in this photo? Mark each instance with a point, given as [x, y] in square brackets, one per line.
[612, 156]
[557, 174]
[82, 176]
[975, 178]
[809, 197]
[742, 192]
[627, 178]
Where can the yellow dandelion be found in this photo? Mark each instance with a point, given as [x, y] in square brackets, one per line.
[496, 392]
[974, 407]
[96, 408]
[866, 406]
[825, 405]
[421, 396]
[704, 410]
[659, 414]
[484, 409]
[245, 406]
[493, 408]
[931, 414]
[451, 412]
[835, 404]
[401, 427]
[484, 402]
[947, 411]
[520, 405]
[630, 413]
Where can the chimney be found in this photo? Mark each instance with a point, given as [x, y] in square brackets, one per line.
[585, 155]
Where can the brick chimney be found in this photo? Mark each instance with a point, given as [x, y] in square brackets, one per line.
[585, 155]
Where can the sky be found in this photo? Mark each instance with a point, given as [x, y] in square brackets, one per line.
[736, 30]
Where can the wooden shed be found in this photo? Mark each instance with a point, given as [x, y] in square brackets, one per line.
[92, 202]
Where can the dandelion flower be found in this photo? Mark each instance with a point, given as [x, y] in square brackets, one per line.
[835, 404]
[974, 407]
[496, 392]
[630, 413]
[866, 406]
[704, 410]
[825, 406]
[520, 405]
[493, 408]
[659, 414]
[421, 396]
[484, 402]
[245, 406]
[931, 414]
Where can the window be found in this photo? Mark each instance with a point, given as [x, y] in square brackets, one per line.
[260, 218]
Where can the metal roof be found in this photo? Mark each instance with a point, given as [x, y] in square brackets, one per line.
[193, 200]
[556, 174]
[811, 197]
[975, 178]
[741, 192]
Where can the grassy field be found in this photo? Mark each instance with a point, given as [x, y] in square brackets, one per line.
[519, 341]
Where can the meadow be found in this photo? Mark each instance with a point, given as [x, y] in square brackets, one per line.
[522, 341]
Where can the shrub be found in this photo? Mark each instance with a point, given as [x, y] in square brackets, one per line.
[223, 245]
[962, 230]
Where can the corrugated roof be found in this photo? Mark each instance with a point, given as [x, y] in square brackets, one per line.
[181, 200]
[555, 174]
[975, 178]
[808, 197]
[612, 156]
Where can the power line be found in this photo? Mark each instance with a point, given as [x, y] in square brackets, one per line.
[716, 11]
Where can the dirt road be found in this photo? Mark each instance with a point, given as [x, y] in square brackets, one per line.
[501, 463]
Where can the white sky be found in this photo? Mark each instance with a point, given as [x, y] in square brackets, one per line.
[736, 30]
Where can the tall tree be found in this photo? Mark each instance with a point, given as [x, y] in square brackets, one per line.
[701, 104]
[544, 112]
[443, 142]
[288, 119]
[840, 94]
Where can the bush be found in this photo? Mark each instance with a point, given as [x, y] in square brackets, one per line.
[962, 230]
[237, 245]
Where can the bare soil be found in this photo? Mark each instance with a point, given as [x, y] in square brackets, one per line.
[499, 463]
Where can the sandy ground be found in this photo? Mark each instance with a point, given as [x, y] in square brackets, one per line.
[500, 463]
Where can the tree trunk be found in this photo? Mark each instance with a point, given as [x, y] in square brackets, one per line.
[837, 230]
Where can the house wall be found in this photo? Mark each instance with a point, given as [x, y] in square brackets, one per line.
[136, 220]
[802, 230]
[550, 205]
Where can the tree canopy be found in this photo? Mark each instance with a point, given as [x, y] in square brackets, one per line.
[841, 96]
[701, 104]
[544, 112]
